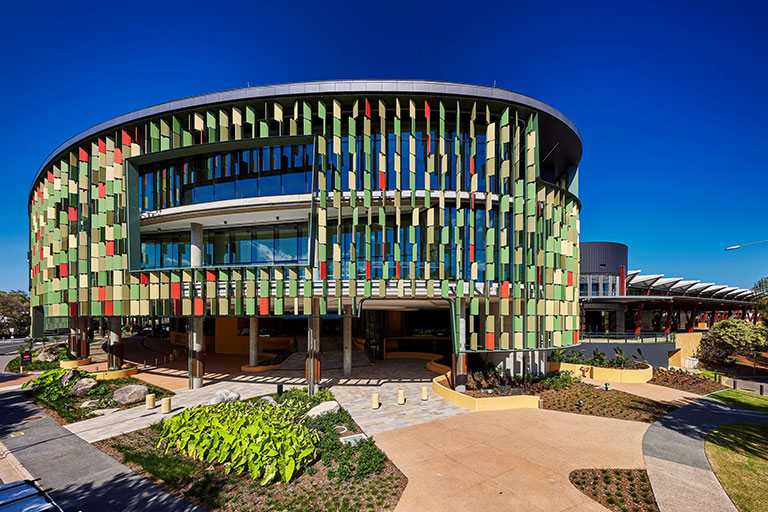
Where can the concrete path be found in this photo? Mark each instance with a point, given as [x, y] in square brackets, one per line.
[664, 394]
[517, 459]
[79, 476]
[136, 418]
[677, 464]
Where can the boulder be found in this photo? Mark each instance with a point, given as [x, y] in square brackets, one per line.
[131, 394]
[47, 356]
[223, 396]
[83, 386]
[266, 400]
[71, 374]
[330, 406]
[89, 403]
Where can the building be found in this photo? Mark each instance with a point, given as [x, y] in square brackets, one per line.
[341, 206]
[615, 300]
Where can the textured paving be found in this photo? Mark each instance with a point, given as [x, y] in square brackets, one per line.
[517, 459]
[664, 394]
[676, 461]
[79, 476]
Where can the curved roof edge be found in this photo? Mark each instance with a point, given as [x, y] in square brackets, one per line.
[315, 88]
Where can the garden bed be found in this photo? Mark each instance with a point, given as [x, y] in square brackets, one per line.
[337, 477]
[620, 490]
[684, 381]
[609, 404]
[65, 408]
[14, 365]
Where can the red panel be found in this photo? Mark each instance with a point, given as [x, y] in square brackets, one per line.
[367, 109]
[144, 278]
[427, 111]
[622, 280]
[570, 278]
[323, 270]
[102, 146]
[102, 293]
[382, 180]
[72, 214]
[50, 177]
[575, 337]
[83, 155]
[397, 269]
[102, 190]
[490, 341]
[110, 248]
[210, 275]
[264, 306]
[505, 289]
[471, 253]
[126, 138]
[199, 309]
[63, 270]
[73, 309]
[175, 290]
[109, 308]
[429, 144]
[118, 156]
[472, 166]
[367, 269]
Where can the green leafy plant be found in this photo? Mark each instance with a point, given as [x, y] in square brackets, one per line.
[263, 439]
[48, 385]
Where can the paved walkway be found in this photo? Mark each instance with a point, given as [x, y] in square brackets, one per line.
[509, 460]
[677, 464]
[664, 394]
[78, 476]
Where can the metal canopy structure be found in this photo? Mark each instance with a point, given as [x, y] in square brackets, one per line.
[658, 285]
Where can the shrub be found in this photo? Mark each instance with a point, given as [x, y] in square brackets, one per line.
[262, 439]
[729, 337]
[48, 385]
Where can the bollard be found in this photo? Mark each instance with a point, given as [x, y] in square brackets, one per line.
[150, 401]
[761, 389]
[734, 383]
[400, 396]
[541, 403]
[165, 405]
[424, 393]
[375, 401]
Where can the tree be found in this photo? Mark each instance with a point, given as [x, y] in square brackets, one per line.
[729, 337]
[14, 311]
[760, 297]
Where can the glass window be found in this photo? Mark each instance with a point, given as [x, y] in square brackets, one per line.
[286, 244]
[263, 248]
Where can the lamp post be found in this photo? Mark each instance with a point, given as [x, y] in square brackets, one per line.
[744, 245]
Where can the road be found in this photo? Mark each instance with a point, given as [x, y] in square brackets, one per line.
[11, 346]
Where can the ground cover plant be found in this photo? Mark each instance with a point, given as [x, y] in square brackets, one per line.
[598, 358]
[493, 382]
[335, 476]
[48, 391]
[685, 381]
[620, 490]
[581, 398]
[738, 454]
[61, 352]
[743, 399]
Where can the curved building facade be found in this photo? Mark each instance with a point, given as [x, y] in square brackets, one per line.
[318, 200]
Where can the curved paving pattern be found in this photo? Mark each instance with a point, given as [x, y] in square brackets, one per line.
[677, 464]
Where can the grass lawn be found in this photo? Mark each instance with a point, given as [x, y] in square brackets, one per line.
[610, 404]
[738, 454]
[743, 399]
[619, 490]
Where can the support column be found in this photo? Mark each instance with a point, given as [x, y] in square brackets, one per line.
[692, 320]
[81, 349]
[313, 348]
[115, 345]
[253, 342]
[459, 372]
[196, 351]
[73, 341]
[639, 320]
[346, 328]
[668, 321]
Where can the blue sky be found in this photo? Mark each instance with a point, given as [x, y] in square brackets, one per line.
[670, 99]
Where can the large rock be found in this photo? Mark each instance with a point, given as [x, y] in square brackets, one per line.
[223, 396]
[266, 400]
[83, 386]
[90, 403]
[47, 356]
[130, 394]
[330, 406]
[71, 374]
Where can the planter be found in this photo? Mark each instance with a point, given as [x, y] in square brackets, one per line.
[74, 364]
[494, 403]
[627, 376]
[115, 374]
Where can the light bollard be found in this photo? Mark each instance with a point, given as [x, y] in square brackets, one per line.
[424, 393]
[375, 403]
[400, 397]
[150, 401]
[165, 405]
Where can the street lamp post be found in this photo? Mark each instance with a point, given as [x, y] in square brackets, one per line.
[744, 245]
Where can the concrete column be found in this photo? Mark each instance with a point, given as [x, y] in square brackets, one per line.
[196, 349]
[115, 346]
[313, 347]
[346, 325]
[253, 344]
[73, 340]
[196, 353]
[460, 365]
[81, 349]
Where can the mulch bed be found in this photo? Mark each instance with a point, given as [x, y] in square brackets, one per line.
[610, 404]
[620, 490]
[207, 484]
[685, 381]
